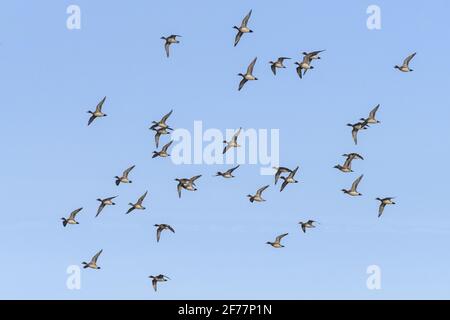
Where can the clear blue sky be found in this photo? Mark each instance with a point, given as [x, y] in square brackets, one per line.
[53, 163]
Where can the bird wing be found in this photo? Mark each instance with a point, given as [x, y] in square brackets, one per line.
[235, 136]
[232, 169]
[408, 59]
[194, 178]
[261, 190]
[166, 47]
[74, 213]
[99, 106]
[167, 146]
[274, 69]
[157, 135]
[164, 119]
[237, 38]
[281, 236]
[170, 228]
[141, 198]
[94, 258]
[110, 198]
[100, 208]
[92, 118]
[299, 72]
[127, 171]
[348, 161]
[356, 183]
[246, 18]
[292, 174]
[355, 135]
[381, 209]
[285, 183]
[131, 209]
[179, 189]
[251, 66]
[154, 283]
[373, 112]
[158, 233]
[241, 84]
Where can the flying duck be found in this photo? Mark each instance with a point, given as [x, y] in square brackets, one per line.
[383, 203]
[307, 224]
[163, 153]
[158, 278]
[170, 40]
[162, 123]
[347, 166]
[289, 179]
[248, 75]
[233, 142]
[93, 263]
[277, 64]
[279, 171]
[313, 55]
[354, 155]
[356, 127]
[187, 184]
[304, 65]
[71, 219]
[124, 177]
[103, 203]
[228, 173]
[353, 191]
[371, 119]
[405, 66]
[159, 133]
[242, 29]
[276, 243]
[98, 112]
[138, 205]
[160, 228]
[257, 197]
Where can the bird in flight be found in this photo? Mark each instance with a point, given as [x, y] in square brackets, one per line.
[277, 64]
[305, 64]
[277, 242]
[71, 219]
[248, 76]
[163, 153]
[362, 125]
[228, 173]
[138, 205]
[124, 177]
[93, 263]
[307, 224]
[371, 118]
[383, 203]
[161, 228]
[353, 191]
[159, 133]
[405, 66]
[279, 171]
[289, 179]
[98, 112]
[158, 278]
[347, 166]
[161, 124]
[242, 29]
[105, 202]
[187, 184]
[233, 142]
[258, 196]
[313, 55]
[170, 40]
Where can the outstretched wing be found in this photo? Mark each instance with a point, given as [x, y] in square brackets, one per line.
[167, 146]
[141, 198]
[274, 69]
[94, 258]
[285, 183]
[100, 208]
[408, 59]
[99, 106]
[373, 112]
[281, 236]
[251, 66]
[241, 84]
[164, 119]
[237, 38]
[166, 47]
[92, 118]
[246, 18]
[356, 182]
[127, 171]
[74, 213]
[261, 190]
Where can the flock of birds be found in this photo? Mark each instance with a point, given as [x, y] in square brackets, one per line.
[287, 175]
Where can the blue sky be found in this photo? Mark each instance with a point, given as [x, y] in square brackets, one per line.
[53, 163]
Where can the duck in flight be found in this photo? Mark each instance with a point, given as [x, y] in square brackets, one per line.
[124, 177]
[353, 190]
[347, 166]
[306, 225]
[289, 179]
[71, 218]
[248, 76]
[305, 64]
[362, 125]
[371, 118]
[233, 142]
[277, 64]
[161, 228]
[163, 153]
[228, 173]
[105, 202]
[187, 184]
[243, 28]
[98, 112]
[258, 196]
[158, 278]
[383, 203]
[279, 171]
[93, 263]
[313, 55]
[161, 124]
[277, 242]
[405, 66]
[159, 133]
[138, 205]
[170, 40]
